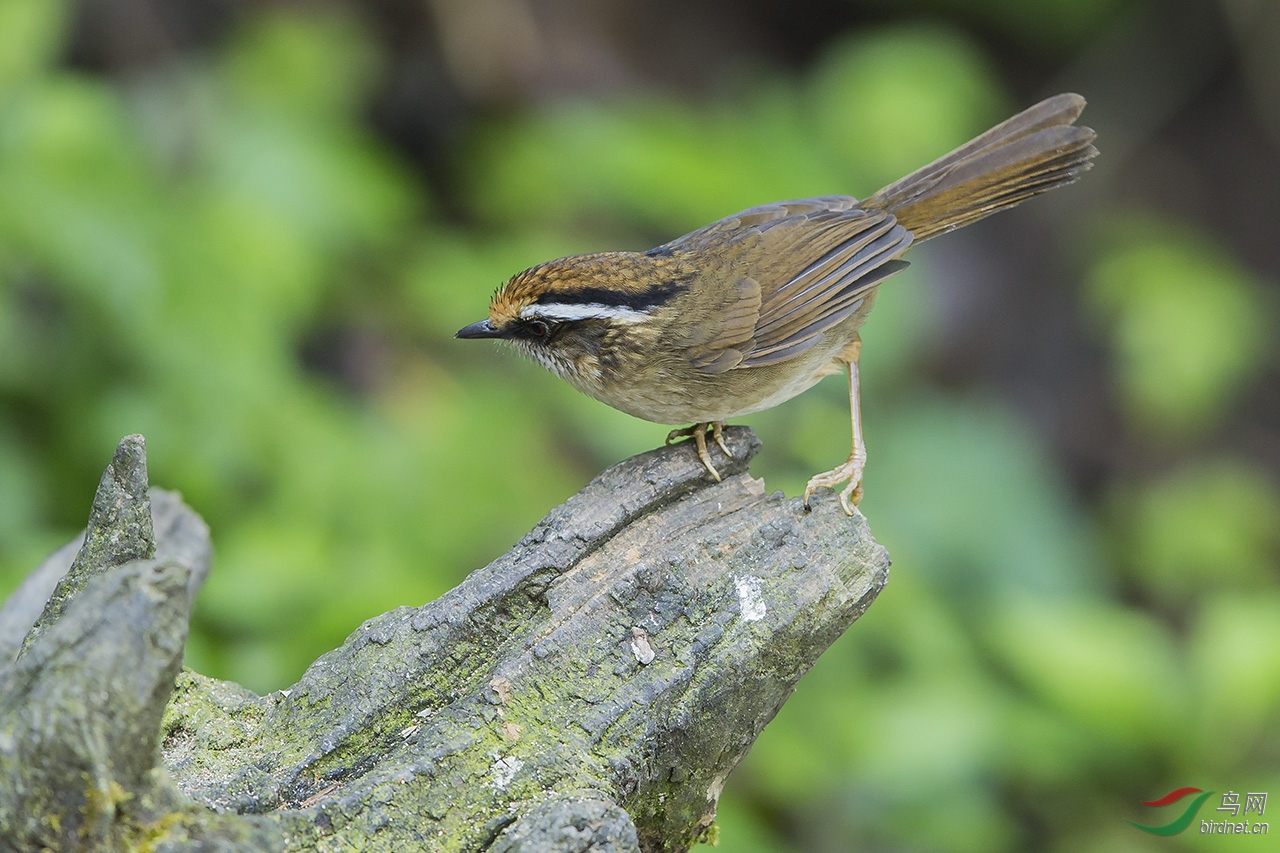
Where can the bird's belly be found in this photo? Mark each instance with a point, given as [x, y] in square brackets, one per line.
[701, 398]
[793, 388]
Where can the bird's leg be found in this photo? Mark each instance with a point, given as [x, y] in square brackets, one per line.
[699, 433]
[851, 470]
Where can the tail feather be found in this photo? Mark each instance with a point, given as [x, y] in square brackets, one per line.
[1033, 152]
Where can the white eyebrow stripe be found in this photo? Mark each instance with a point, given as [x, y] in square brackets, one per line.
[583, 311]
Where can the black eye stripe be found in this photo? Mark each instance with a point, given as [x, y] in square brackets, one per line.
[650, 297]
[535, 329]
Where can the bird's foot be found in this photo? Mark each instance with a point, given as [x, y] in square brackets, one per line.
[699, 433]
[851, 471]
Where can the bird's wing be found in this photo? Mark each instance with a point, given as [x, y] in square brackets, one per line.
[798, 268]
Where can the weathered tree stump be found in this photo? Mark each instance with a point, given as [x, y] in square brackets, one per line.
[589, 690]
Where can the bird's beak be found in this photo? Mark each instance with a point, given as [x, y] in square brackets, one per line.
[483, 329]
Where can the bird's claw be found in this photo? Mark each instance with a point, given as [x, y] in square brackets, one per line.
[699, 433]
[850, 471]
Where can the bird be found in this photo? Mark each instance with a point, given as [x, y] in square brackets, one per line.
[751, 310]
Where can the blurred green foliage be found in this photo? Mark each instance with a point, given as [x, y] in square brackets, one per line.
[1163, 291]
[1060, 26]
[172, 249]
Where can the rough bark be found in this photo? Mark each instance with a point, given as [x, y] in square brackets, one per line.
[589, 690]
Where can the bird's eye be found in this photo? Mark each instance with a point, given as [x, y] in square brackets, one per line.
[538, 328]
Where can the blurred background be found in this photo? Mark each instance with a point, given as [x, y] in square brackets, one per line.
[248, 231]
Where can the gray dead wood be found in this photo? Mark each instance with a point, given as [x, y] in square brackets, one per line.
[589, 690]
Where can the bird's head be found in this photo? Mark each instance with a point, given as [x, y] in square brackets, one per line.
[578, 316]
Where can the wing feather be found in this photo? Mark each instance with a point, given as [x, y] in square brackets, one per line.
[801, 268]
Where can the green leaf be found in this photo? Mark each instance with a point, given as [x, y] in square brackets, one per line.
[668, 165]
[1188, 324]
[1235, 655]
[320, 64]
[965, 490]
[1113, 672]
[31, 36]
[1211, 525]
[890, 101]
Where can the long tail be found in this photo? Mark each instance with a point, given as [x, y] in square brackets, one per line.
[1033, 152]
